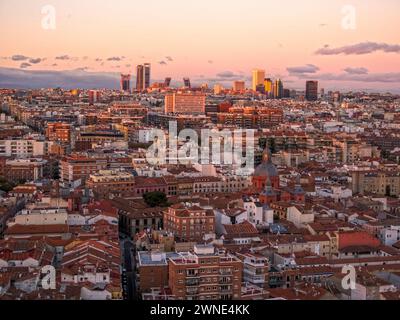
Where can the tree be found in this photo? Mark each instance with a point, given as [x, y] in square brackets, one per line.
[156, 199]
[6, 185]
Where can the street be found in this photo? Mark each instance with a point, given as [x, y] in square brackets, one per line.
[129, 270]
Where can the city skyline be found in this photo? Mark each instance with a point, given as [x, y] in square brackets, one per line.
[304, 41]
[199, 158]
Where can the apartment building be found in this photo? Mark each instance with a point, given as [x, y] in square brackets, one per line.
[24, 148]
[59, 131]
[77, 167]
[385, 183]
[189, 223]
[205, 274]
[189, 103]
[23, 169]
[255, 269]
[111, 183]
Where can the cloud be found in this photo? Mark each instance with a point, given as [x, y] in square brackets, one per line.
[322, 25]
[169, 58]
[63, 57]
[25, 65]
[359, 49]
[30, 79]
[128, 65]
[98, 60]
[356, 70]
[224, 78]
[163, 63]
[390, 77]
[308, 68]
[115, 58]
[19, 57]
[35, 61]
[228, 75]
[210, 61]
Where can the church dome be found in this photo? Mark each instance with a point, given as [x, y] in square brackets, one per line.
[266, 168]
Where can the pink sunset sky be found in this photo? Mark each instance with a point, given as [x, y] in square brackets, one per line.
[210, 41]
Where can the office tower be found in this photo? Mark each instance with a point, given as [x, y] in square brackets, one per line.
[268, 86]
[188, 103]
[139, 78]
[278, 89]
[258, 78]
[186, 83]
[147, 75]
[143, 74]
[239, 86]
[167, 82]
[312, 90]
[125, 82]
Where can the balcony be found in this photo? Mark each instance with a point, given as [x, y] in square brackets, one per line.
[192, 291]
[192, 282]
[192, 274]
[225, 272]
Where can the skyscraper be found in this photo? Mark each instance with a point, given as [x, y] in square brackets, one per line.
[258, 78]
[186, 82]
[143, 73]
[167, 82]
[268, 86]
[147, 75]
[312, 90]
[125, 82]
[278, 89]
[139, 78]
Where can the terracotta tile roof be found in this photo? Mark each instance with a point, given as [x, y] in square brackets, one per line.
[357, 238]
[36, 229]
[241, 229]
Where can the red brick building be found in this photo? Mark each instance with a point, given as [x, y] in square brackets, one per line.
[58, 131]
[205, 275]
[189, 223]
